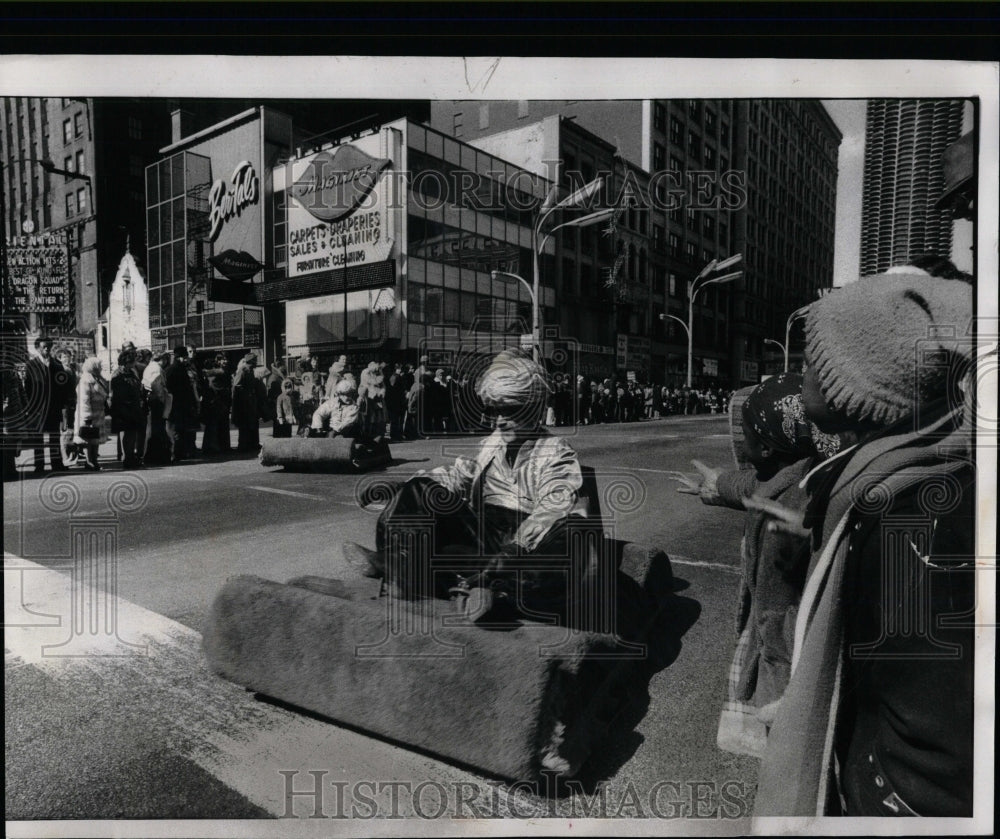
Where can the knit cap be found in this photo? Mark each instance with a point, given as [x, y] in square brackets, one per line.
[887, 343]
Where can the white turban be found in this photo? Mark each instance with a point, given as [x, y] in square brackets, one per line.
[513, 379]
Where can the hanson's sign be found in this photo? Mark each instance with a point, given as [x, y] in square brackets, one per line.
[226, 201]
[338, 212]
[335, 185]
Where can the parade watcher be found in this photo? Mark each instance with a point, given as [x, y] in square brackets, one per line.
[47, 388]
[284, 411]
[68, 448]
[870, 695]
[246, 404]
[184, 408]
[782, 445]
[91, 405]
[128, 408]
[157, 449]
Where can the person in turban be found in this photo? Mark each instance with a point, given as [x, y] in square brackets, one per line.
[510, 502]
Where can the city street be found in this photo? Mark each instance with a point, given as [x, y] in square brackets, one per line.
[151, 733]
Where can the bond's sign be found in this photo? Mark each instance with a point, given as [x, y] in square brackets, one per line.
[38, 274]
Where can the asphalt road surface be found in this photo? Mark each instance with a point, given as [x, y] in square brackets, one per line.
[149, 733]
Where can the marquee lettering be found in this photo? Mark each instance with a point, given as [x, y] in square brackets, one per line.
[224, 203]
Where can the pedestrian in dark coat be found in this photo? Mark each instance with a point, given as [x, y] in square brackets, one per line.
[246, 405]
[47, 387]
[128, 408]
[182, 413]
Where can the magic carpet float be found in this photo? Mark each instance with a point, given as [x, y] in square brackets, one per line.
[511, 699]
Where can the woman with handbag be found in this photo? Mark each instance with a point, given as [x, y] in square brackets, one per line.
[91, 402]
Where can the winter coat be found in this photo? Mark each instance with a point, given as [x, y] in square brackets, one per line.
[246, 410]
[48, 390]
[91, 405]
[892, 710]
[128, 401]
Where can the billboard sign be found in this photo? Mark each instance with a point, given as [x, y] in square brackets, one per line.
[338, 214]
[335, 185]
[37, 274]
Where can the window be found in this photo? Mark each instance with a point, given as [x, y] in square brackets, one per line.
[484, 116]
[690, 251]
[67, 131]
[692, 219]
[673, 285]
[694, 144]
[68, 163]
[675, 164]
[659, 240]
[708, 226]
[70, 205]
[81, 200]
[659, 116]
[78, 124]
[709, 156]
[673, 246]
[694, 107]
[676, 131]
[659, 157]
[456, 124]
[724, 132]
[135, 128]
[81, 163]
[709, 120]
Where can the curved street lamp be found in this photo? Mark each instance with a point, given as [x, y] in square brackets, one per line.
[702, 281]
[574, 199]
[798, 313]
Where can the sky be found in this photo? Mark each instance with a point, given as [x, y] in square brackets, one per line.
[849, 114]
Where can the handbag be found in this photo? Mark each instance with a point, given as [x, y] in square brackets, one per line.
[89, 432]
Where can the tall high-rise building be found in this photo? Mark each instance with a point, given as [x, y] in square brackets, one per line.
[903, 178]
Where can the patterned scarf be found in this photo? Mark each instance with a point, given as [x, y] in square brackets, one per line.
[775, 412]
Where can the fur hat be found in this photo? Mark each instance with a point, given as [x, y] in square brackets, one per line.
[885, 344]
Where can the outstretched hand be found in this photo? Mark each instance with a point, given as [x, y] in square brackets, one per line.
[782, 519]
[706, 484]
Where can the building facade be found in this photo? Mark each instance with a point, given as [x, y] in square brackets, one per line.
[388, 246]
[903, 178]
[103, 146]
[715, 178]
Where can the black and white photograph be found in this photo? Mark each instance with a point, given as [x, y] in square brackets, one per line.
[498, 445]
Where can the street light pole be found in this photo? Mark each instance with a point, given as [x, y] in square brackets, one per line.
[784, 348]
[714, 265]
[798, 313]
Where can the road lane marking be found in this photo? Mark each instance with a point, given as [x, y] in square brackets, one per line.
[697, 563]
[290, 492]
